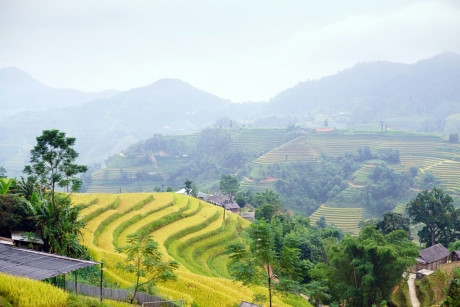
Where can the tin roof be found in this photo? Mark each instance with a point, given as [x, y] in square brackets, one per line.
[37, 265]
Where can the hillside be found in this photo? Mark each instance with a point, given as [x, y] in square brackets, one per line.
[187, 230]
[282, 157]
[418, 97]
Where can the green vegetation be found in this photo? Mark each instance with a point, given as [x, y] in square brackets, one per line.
[370, 170]
[436, 211]
[144, 260]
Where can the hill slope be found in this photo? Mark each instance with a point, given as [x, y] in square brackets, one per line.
[419, 97]
[187, 230]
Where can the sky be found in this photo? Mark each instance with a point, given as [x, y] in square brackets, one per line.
[239, 50]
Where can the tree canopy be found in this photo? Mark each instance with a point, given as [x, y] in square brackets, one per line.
[145, 261]
[364, 270]
[436, 211]
[229, 185]
[52, 162]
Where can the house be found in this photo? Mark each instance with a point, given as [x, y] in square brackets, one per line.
[432, 257]
[455, 256]
[26, 239]
[224, 202]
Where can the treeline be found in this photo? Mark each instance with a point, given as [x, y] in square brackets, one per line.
[285, 252]
[303, 186]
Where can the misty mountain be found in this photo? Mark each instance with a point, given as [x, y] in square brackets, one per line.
[416, 97]
[20, 92]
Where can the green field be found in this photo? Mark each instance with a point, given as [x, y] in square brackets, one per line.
[272, 147]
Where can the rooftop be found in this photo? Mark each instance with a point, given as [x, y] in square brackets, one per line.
[37, 265]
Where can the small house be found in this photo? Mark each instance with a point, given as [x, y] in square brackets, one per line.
[432, 257]
[224, 202]
[455, 256]
[27, 239]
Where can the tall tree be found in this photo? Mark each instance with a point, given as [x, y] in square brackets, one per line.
[364, 270]
[188, 186]
[280, 270]
[145, 261]
[436, 210]
[229, 185]
[393, 221]
[52, 163]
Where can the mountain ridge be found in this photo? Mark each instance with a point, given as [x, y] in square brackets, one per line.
[414, 97]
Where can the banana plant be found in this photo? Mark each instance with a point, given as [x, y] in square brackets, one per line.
[5, 184]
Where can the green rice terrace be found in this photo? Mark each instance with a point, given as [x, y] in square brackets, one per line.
[260, 151]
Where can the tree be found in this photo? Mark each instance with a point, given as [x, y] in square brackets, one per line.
[318, 292]
[393, 221]
[14, 214]
[62, 236]
[280, 270]
[364, 270]
[229, 185]
[2, 172]
[145, 261]
[266, 197]
[436, 210]
[52, 163]
[321, 223]
[188, 186]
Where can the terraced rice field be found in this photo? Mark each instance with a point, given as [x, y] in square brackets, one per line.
[346, 219]
[188, 230]
[426, 152]
[297, 150]
[257, 141]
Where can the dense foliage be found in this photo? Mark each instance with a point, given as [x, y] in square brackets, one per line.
[435, 209]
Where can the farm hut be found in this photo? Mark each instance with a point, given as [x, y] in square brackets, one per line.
[455, 256]
[26, 239]
[432, 257]
[225, 202]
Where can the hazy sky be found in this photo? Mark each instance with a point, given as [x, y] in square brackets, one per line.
[238, 50]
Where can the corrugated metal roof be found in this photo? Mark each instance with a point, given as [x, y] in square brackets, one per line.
[37, 265]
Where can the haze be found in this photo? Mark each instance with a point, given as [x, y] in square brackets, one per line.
[238, 50]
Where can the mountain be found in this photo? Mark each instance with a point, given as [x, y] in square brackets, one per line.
[20, 92]
[411, 97]
[415, 97]
[107, 125]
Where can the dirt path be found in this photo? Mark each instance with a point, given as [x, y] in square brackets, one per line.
[355, 185]
[412, 293]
